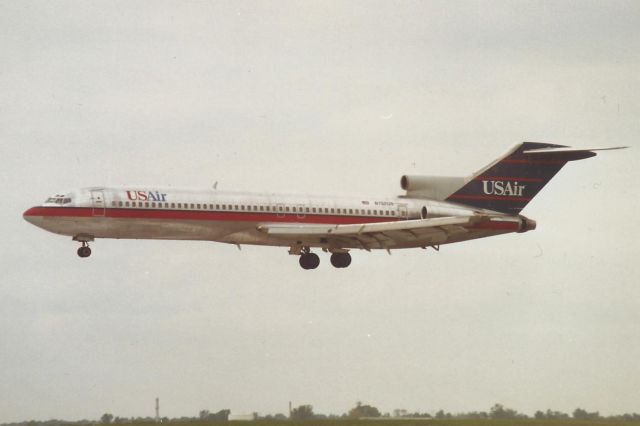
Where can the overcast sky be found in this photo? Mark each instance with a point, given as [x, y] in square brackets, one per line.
[324, 97]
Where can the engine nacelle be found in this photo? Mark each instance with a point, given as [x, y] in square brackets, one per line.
[527, 224]
[432, 187]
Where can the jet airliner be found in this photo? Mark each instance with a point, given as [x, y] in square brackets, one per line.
[433, 211]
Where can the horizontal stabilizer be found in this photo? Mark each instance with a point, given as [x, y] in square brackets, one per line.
[566, 153]
[569, 149]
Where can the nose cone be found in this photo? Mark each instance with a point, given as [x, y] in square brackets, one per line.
[32, 215]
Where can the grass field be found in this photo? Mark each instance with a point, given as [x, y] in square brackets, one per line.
[429, 422]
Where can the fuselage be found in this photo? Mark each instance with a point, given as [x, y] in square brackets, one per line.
[435, 210]
[231, 217]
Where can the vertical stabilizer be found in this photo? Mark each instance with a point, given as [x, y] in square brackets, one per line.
[509, 183]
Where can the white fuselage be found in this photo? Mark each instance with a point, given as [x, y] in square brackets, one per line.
[229, 217]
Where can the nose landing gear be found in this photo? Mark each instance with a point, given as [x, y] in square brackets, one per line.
[84, 250]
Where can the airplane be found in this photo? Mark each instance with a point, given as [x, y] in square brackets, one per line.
[435, 210]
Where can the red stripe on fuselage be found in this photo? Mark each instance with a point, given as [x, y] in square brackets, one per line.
[511, 179]
[522, 161]
[487, 197]
[169, 214]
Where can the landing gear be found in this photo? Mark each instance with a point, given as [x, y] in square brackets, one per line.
[84, 239]
[84, 250]
[340, 260]
[309, 260]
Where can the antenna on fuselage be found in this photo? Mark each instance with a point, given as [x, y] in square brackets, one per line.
[215, 185]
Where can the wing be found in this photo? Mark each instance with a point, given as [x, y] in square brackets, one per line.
[385, 235]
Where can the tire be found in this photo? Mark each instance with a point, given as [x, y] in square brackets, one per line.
[340, 260]
[84, 251]
[309, 261]
[314, 260]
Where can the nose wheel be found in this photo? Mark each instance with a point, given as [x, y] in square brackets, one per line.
[84, 250]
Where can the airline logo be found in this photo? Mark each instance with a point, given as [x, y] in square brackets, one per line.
[146, 196]
[502, 188]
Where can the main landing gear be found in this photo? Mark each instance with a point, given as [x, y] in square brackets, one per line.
[310, 260]
[340, 260]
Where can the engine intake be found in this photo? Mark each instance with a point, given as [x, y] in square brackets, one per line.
[432, 187]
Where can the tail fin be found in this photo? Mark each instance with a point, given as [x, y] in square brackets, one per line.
[509, 183]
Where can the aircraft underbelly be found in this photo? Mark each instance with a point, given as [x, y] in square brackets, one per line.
[232, 232]
[105, 227]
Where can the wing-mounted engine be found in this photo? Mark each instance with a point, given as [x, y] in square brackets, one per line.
[431, 187]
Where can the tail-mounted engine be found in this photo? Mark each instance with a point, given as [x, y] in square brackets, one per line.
[527, 224]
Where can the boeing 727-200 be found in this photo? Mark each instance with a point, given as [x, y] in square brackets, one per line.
[432, 212]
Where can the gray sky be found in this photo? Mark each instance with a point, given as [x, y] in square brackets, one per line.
[327, 97]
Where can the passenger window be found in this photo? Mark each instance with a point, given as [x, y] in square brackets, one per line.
[146, 204]
[339, 211]
[307, 209]
[126, 204]
[350, 211]
[286, 208]
[369, 212]
[152, 204]
[261, 208]
[313, 209]
[294, 210]
[279, 208]
[393, 213]
[173, 205]
[120, 203]
[375, 212]
[333, 210]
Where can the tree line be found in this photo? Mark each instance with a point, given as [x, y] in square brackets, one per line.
[359, 411]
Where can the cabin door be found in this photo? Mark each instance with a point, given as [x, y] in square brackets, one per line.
[97, 202]
[403, 212]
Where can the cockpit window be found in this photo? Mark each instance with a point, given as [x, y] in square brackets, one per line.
[58, 199]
